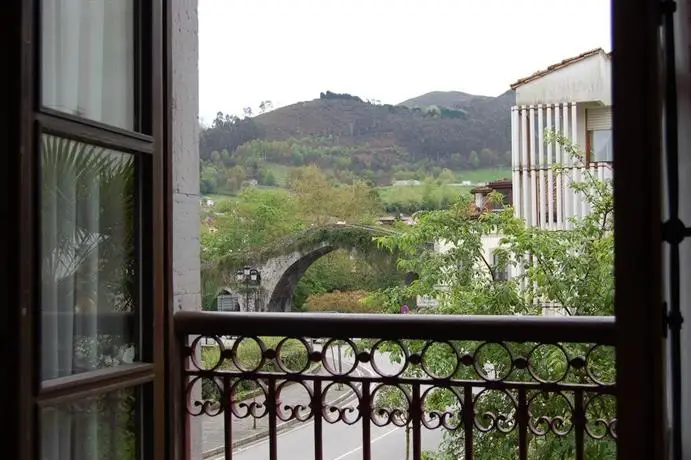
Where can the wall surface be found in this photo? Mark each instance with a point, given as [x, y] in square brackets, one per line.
[185, 144]
[583, 81]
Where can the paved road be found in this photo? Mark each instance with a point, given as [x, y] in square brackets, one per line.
[341, 441]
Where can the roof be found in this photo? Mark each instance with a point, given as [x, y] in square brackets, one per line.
[560, 65]
[492, 186]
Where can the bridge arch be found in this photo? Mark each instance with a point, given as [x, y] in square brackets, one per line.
[283, 263]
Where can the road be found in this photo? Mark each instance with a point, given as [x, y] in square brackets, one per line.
[340, 440]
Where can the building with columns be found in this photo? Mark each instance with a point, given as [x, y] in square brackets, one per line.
[573, 99]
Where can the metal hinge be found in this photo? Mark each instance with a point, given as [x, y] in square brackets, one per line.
[670, 320]
[667, 7]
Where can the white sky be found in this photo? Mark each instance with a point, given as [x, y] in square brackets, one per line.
[391, 50]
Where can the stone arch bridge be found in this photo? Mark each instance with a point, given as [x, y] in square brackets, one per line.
[283, 263]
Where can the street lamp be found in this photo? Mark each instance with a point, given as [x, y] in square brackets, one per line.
[249, 277]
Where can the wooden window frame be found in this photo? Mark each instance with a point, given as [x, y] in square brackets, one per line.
[636, 126]
[150, 147]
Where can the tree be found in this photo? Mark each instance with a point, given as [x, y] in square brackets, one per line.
[572, 269]
[488, 157]
[265, 106]
[474, 160]
[446, 176]
[322, 203]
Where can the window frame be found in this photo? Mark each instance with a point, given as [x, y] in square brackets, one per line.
[500, 271]
[636, 95]
[589, 148]
[149, 144]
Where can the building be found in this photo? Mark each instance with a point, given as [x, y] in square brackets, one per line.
[573, 99]
[51, 406]
[481, 195]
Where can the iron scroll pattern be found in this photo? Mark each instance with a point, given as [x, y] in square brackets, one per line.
[526, 393]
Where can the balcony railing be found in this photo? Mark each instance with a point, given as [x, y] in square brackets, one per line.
[515, 383]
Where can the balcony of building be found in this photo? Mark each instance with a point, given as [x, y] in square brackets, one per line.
[511, 383]
[372, 387]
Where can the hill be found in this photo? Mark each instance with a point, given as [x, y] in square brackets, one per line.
[349, 139]
[442, 98]
[458, 123]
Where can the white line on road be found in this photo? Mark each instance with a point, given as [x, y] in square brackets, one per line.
[301, 426]
[371, 442]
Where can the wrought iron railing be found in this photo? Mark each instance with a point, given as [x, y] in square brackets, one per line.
[514, 385]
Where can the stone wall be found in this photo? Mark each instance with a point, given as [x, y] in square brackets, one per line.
[185, 145]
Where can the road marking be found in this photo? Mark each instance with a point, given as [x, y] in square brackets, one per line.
[287, 432]
[371, 442]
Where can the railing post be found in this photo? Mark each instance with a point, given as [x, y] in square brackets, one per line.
[317, 414]
[365, 408]
[523, 418]
[271, 406]
[579, 424]
[185, 398]
[468, 420]
[228, 417]
[416, 412]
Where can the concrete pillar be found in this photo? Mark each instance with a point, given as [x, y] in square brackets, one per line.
[185, 145]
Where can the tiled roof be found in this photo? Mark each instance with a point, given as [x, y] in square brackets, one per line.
[560, 65]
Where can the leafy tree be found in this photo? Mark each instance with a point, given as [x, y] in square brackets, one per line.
[227, 132]
[488, 157]
[446, 176]
[570, 269]
[321, 203]
[265, 106]
[474, 160]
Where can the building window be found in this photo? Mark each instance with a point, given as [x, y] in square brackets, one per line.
[599, 145]
[599, 134]
[500, 267]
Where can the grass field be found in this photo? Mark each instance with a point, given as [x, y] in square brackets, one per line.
[414, 193]
[403, 194]
[483, 175]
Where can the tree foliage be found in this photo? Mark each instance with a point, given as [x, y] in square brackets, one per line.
[570, 270]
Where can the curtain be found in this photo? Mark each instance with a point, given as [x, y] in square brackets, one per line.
[88, 59]
[86, 221]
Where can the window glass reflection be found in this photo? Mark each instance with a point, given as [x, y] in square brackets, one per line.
[88, 258]
[96, 428]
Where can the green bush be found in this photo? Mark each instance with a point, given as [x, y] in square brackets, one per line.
[341, 302]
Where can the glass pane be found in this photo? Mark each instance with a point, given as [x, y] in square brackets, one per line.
[602, 145]
[88, 258]
[102, 427]
[88, 59]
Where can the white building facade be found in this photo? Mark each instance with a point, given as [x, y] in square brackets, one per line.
[572, 99]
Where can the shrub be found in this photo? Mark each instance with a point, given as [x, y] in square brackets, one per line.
[341, 302]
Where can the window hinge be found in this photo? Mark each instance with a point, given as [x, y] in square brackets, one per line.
[667, 7]
[671, 320]
[674, 231]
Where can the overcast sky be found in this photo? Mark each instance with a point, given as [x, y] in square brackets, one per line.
[391, 50]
